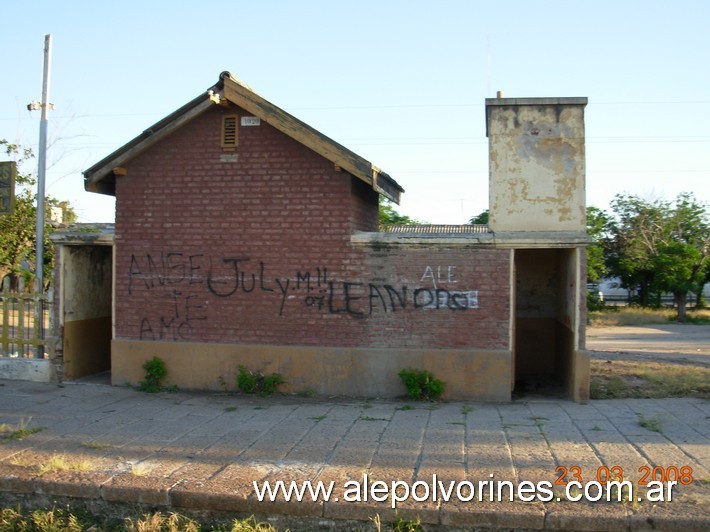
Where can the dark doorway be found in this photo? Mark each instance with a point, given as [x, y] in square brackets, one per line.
[545, 320]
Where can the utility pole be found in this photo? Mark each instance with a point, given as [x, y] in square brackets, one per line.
[42, 162]
[41, 171]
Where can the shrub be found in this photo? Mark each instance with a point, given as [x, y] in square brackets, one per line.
[155, 371]
[421, 384]
[258, 383]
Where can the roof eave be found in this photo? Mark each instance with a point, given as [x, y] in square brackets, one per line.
[241, 95]
[100, 178]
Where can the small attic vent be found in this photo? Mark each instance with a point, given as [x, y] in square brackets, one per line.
[229, 132]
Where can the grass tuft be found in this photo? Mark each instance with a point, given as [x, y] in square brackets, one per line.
[18, 432]
[159, 522]
[98, 446]
[140, 470]
[406, 525]
[59, 462]
[68, 520]
[55, 463]
[653, 424]
[54, 520]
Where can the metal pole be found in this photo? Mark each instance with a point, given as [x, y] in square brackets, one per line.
[42, 168]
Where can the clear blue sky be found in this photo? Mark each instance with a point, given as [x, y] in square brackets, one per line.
[402, 83]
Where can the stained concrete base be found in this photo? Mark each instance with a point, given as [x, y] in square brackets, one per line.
[25, 369]
[478, 375]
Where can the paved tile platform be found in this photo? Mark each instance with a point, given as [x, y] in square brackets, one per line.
[202, 451]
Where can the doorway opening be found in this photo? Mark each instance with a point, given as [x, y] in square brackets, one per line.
[546, 316]
[85, 311]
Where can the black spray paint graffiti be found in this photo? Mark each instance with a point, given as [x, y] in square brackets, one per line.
[176, 324]
[230, 277]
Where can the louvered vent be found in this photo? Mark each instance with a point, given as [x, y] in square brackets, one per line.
[229, 132]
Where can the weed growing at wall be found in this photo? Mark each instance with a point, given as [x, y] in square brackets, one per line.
[155, 371]
[421, 384]
[258, 383]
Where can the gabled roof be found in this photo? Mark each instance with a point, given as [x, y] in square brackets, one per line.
[101, 177]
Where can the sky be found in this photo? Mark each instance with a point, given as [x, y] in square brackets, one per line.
[401, 83]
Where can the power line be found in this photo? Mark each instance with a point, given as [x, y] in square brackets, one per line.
[444, 141]
[387, 106]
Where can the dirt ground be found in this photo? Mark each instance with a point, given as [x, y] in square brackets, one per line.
[672, 342]
[651, 361]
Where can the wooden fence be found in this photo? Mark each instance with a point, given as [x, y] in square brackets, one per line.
[21, 335]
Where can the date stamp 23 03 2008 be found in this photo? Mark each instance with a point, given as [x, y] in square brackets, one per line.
[680, 474]
[593, 485]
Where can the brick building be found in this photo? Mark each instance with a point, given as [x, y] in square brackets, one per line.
[245, 237]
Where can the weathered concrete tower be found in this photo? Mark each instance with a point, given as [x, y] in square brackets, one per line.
[537, 173]
[537, 209]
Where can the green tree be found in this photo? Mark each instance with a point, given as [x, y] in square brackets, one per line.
[597, 225]
[676, 264]
[481, 219]
[18, 229]
[389, 216]
[637, 228]
[659, 246]
[691, 225]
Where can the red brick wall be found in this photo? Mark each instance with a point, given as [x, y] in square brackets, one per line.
[365, 206]
[258, 251]
[456, 298]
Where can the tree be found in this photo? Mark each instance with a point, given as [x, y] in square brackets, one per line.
[637, 229]
[481, 219]
[18, 229]
[676, 265]
[691, 225]
[389, 216]
[658, 246]
[597, 225]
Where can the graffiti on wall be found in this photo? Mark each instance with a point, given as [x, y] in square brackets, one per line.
[177, 279]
